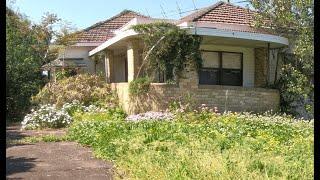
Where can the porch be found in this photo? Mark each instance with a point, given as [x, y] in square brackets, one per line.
[235, 76]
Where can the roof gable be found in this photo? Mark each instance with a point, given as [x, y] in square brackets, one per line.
[222, 12]
[225, 16]
[227, 13]
[104, 30]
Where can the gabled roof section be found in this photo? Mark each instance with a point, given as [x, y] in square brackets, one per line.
[102, 31]
[225, 16]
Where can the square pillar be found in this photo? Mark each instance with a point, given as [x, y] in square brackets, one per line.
[109, 61]
[260, 69]
[134, 59]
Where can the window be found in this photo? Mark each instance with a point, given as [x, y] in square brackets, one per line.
[221, 68]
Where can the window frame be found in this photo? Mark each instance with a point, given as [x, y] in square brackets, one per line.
[220, 69]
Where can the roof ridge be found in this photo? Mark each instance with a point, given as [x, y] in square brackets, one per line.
[207, 9]
[125, 11]
[202, 11]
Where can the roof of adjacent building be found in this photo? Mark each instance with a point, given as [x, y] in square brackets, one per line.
[102, 31]
[226, 16]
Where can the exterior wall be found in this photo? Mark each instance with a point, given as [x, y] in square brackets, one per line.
[248, 60]
[80, 52]
[226, 98]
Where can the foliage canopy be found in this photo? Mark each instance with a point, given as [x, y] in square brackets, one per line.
[295, 20]
[168, 48]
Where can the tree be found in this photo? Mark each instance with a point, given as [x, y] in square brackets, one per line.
[27, 49]
[293, 19]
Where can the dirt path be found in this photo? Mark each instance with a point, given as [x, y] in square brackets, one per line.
[51, 160]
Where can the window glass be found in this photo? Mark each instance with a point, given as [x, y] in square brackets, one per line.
[209, 76]
[229, 73]
[231, 77]
[210, 59]
[231, 60]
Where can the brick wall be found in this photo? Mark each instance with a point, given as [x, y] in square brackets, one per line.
[249, 97]
[230, 98]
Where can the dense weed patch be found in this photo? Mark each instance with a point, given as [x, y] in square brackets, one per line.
[201, 146]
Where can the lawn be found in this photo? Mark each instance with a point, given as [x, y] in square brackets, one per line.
[201, 146]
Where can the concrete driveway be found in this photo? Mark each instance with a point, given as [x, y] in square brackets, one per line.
[51, 160]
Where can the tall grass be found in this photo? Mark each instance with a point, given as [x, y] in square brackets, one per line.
[202, 147]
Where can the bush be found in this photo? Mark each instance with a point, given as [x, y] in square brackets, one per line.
[114, 114]
[47, 116]
[139, 86]
[85, 88]
[76, 106]
[65, 73]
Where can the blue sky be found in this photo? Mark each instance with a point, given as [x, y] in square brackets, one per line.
[83, 13]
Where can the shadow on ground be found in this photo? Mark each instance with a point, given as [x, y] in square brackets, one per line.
[13, 134]
[19, 164]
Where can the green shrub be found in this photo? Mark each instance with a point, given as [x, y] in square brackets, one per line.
[227, 146]
[65, 74]
[85, 88]
[114, 114]
[139, 86]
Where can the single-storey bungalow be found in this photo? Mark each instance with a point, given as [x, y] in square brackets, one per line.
[240, 61]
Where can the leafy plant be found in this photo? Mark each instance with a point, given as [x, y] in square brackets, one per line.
[168, 48]
[64, 74]
[85, 88]
[139, 86]
[27, 49]
[294, 20]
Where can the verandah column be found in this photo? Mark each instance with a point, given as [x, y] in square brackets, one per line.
[260, 77]
[108, 61]
[134, 59]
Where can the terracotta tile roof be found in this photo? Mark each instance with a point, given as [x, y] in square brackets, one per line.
[225, 16]
[104, 30]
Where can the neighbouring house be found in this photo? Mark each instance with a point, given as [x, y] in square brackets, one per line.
[240, 62]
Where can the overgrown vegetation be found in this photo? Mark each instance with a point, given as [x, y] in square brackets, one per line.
[27, 49]
[47, 116]
[139, 86]
[202, 145]
[295, 20]
[167, 49]
[85, 88]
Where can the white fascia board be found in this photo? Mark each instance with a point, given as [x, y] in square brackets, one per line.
[135, 21]
[113, 40]
[126, 26]
[235, 34]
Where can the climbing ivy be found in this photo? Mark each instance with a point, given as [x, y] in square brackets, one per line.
[167, 48]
